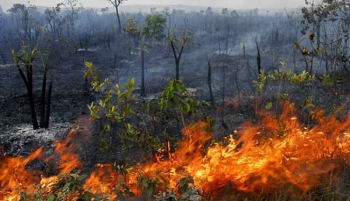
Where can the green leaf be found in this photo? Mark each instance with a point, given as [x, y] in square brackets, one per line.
[268, 106]
[321, 51]
[144, 182]
[102, 103]
[81, 177]
[297, 45]
[51, 198]
[117, 89]
[88, 64]
[107, 128]
[66, 187]
[149, 192]
[33, 54]
[283, 64]
[14, 57]
[131, 83]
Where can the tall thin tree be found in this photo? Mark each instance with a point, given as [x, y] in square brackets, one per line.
[116, 4]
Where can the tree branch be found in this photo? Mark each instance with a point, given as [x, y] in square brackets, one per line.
[22, 75]
[173, 48]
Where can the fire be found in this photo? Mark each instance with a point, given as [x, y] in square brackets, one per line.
[104, 179]
[275, 153]
[15, 178]
[278, 152]
[68, 160]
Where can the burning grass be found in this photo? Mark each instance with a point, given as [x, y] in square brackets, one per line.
[276, 155]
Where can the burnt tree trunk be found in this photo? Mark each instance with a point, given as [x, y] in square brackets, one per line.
[43, 93]
[143, 91]
[48, 106]
[28, 81]
[177, 63]
[258, 59]
[109, 42]
[177, 58]
[119, 24]
[209, 83]
[31, 97]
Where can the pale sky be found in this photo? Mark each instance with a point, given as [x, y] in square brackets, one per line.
[234, 4]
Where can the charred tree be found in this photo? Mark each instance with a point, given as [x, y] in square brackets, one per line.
[177, 47]
[48, 105]
[258, 57]
[43, 93]
[27, 60]
[116, 4]
[209, 79]
[143, 91]
[177, 58]
[29, 85]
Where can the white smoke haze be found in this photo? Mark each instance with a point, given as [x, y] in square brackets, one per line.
[233, 4]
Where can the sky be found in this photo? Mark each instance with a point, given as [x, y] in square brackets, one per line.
[234, 4]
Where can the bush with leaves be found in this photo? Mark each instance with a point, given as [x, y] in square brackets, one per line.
[176, 97]
[66, 187]
[115, 108]
[282, 75]
[133, 30]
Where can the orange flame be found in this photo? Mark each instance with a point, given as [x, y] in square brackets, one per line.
[16, 178]
[68, 160]
[103, 180]
[276, 153]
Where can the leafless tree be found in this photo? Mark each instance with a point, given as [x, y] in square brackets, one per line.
[73, 8]
[52, 17]
[116, 4]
